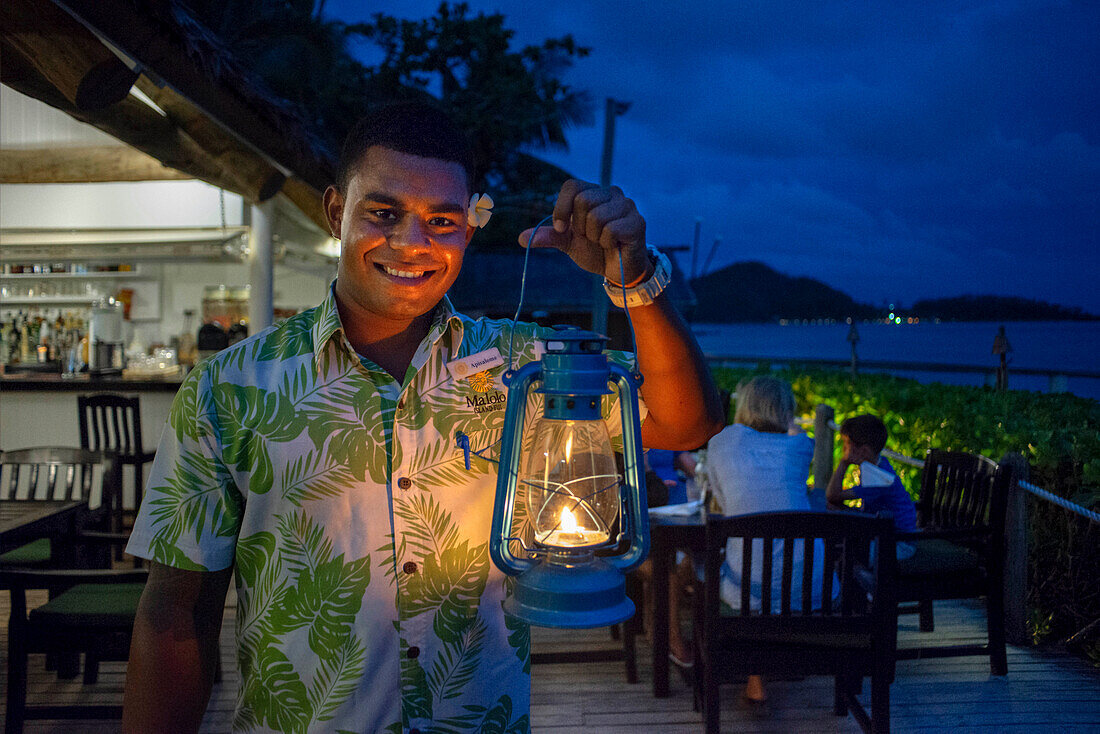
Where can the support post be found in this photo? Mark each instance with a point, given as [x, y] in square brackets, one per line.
[1001, 348]
[823, 446]
[853, 338]
[261, 264]
[695, 247]
[612, 109]
[1015, 566]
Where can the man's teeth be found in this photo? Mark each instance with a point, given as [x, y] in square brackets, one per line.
[403, 273]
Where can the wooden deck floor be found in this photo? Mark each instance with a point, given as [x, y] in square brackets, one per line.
[1043, 691]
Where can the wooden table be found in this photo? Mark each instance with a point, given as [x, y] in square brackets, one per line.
[667, 534]
[22, 521]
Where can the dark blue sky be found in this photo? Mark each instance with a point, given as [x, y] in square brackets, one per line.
[929, 149]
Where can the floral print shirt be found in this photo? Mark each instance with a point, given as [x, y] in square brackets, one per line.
[367, 601]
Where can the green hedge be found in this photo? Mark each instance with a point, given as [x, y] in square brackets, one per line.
[1058, 433]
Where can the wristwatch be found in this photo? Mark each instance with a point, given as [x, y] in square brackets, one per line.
[643, 293]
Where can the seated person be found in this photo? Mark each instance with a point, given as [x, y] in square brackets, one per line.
[864, 438]
[761, 463]
[669, 466]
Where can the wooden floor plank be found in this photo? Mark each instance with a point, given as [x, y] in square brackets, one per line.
[1044, 690]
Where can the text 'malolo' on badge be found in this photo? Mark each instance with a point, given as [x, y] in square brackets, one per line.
[475, 371]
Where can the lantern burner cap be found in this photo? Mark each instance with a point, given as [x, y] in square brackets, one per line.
[569, 558]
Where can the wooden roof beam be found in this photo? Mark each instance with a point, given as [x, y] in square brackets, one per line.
[135, 34]
[98, 164]
[307, 199]
[229, 153]
[131, 121]
[65, 53]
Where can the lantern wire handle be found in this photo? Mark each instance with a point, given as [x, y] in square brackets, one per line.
[626, 310]
[523, 290]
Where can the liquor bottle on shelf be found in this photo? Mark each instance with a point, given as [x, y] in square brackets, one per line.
[24, 340]
[188, 347]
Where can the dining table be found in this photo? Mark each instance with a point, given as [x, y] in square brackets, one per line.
[668, 533]
[22, 521]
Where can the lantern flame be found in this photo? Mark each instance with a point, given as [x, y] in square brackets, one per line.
[568, 521]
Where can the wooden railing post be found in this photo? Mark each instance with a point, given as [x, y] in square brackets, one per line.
[823, 446]
[853, 337]
[1015, 567]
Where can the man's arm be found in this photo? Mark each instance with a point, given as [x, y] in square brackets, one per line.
[595, 227]
[174, 649]
[683, 405]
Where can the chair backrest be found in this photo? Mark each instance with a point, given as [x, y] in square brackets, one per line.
[110, 422]
[858, 547]
[58, 473]
[961, 490]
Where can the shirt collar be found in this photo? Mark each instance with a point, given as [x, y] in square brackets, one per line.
[445, 322]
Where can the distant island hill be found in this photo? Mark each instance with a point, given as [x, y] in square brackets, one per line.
[754, 292]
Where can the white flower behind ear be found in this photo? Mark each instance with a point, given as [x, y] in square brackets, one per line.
[481, 208]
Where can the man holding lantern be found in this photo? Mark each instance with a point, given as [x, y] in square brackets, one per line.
[316, 461]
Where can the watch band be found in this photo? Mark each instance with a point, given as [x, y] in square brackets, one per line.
[643, 293]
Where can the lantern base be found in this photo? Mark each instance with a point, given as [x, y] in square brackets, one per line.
[592, 594]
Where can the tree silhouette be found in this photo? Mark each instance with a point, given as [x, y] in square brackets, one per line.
[509, 101]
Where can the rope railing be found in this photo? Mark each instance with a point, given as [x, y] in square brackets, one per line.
[1060, 501]
[902, 458]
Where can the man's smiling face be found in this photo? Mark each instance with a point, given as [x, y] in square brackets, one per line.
[402, 225]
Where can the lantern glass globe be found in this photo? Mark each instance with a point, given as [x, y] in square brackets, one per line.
[571, 483]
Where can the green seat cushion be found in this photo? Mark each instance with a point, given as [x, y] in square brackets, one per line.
[35, 553]
[936, 556]
[92, 605]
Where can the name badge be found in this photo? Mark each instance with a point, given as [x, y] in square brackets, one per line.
[460, 369]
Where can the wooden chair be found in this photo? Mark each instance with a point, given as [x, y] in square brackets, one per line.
[90, 610]
[56, 473]
[777, 630]
[111, 422]
[960, 547]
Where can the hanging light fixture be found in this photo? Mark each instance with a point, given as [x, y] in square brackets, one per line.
[575, 499]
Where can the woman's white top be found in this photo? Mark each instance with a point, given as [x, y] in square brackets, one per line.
[749, 472]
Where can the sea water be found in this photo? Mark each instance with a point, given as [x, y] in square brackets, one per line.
[1048, 345]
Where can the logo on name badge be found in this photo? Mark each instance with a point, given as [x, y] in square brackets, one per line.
[481, 381]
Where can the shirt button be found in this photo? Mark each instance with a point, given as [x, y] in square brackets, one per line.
[413, 653]
[409, 567]
[404, 483]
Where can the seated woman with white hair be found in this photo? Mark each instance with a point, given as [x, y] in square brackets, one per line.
[761, 463]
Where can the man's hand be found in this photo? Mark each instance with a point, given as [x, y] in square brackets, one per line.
[592, 225]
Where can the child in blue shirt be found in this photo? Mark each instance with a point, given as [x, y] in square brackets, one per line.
[864, 438]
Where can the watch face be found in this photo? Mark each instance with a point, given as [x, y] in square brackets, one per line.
[643, 294]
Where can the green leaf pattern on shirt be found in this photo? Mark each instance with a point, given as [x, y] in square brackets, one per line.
[283, 458]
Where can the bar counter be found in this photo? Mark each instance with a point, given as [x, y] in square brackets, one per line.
[53, 382]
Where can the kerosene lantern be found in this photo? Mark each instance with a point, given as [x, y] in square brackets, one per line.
[576, 501]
